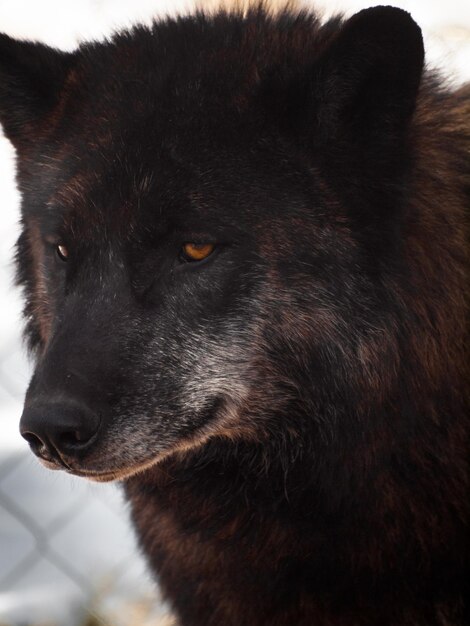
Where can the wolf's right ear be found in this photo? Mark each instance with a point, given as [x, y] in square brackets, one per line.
[31, 79]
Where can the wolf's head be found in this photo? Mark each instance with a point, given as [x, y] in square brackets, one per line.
[209, 207]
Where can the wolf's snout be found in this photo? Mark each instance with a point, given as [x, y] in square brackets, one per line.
[58, 431]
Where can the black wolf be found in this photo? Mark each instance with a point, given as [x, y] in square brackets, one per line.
[244, 258]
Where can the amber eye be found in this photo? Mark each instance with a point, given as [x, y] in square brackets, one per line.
[62, 252]
[197, 251]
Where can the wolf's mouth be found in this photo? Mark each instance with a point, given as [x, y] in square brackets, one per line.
[95, 475]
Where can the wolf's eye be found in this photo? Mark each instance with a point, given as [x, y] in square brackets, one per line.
[197, 251]
[62, 252]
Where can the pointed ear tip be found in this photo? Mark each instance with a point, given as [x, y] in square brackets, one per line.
[393, 24]
[388, 16]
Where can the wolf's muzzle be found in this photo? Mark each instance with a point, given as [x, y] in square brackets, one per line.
[59, 432]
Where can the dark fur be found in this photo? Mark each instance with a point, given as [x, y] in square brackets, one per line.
[300, 399]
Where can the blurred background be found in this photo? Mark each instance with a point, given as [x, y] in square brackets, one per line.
[68, 555]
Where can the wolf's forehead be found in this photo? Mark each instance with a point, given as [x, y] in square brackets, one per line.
[100, 199]
[134, 197]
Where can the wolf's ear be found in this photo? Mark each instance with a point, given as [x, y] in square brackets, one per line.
[31, 78]
[361, 89]
[367, 81]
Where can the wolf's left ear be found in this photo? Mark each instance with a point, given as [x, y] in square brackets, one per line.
[361, 90]
[368, 79]
[31, 78]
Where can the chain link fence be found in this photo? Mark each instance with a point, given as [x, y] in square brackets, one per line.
[68, 555]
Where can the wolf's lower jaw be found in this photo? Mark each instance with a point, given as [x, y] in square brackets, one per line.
[115, 475]
[98, 478]
[122, 473]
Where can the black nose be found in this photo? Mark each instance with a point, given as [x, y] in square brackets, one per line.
[59, 429]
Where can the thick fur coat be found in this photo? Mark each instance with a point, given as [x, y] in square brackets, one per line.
[244, 257]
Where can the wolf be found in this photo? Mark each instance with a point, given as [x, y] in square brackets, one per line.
[244, 256]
